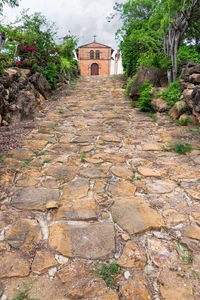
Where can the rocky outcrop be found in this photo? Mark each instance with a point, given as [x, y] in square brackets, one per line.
[190, 84]
[19, 99]
[41, 84]
[156, 76]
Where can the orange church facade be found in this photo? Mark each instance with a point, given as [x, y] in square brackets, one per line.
[94, 59]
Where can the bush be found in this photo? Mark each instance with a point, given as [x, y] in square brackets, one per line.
[173, 93]
[188, 53]
[179, 147]
[128, 87]
[145, 98]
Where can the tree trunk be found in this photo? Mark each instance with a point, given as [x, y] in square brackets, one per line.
[2, 40]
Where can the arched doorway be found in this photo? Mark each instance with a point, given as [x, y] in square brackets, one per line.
[94, 69]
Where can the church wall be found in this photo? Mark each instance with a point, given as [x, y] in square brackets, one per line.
[85, 62]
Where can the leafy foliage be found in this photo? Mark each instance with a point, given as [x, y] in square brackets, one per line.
[32, 45]
[145, 99]
[173, 93]
[150, 35]
[179, 147]
[24, 294]
[108, 272]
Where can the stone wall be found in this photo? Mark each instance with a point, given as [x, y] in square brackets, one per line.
[21, 94]
[190, 84]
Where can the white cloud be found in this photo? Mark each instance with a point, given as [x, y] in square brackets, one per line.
[83, 18]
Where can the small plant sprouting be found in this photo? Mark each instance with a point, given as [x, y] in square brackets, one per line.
[2, 158]
[107, 272]
[187, 256]
[114, 220]
[45, 161]
[161, 123]
[56, 123]
[153, 116]
[24, 294]
[61, 111]
[61, 188]
[44, 131]
[138, 178]
[195, 130]
[179, 147]
[83, 156]
[26, 162]
[61, 178]
[38, 153]
[184, 122]
[134, 104]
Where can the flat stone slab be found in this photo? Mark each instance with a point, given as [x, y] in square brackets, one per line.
[13, 265]
[93, 240]
[78, 210]
[123, 171]
[88, 241]
[76, 189]
[34, 198]
[135, 216]
[67, 172]
[92, 172]
[23, 234]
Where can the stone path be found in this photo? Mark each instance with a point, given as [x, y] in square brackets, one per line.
[91, 184]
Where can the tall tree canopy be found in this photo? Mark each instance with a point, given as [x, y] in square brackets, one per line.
[153, 31]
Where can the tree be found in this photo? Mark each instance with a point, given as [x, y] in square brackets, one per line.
[153, 31]
[180, 15]
[12, 3]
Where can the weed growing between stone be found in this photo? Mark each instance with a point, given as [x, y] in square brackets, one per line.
[153, 116]
[195, 130]
[83, 156]
[24, 295]
[187, 256]
[179, 147]
[184, 122]
[108, 272]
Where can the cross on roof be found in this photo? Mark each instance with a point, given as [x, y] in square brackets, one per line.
[95, 38]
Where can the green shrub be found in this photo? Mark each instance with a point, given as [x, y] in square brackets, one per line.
[173, 93]
[51, 74]
[145, 99]
[179, 147]
[108, 272]
[128, 87]
[188, 53]
[184, 122]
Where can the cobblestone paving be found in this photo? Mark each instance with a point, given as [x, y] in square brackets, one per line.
[92, 184]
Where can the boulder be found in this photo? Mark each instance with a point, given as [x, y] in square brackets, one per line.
[159, 105]
[194, 78]
[28, 105]
[41, 84]
[178, 109]
[156, 76]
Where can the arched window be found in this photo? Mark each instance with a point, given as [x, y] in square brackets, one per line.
[91, 54]
[97, 54]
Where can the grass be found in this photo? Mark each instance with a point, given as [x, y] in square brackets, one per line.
[83, 156]
[26, 162]
[38, 153]
[134, 103]
[187, 256]
[114, 220]
[61, 111]
[195, 130]
[61, 178]
[153, 116]
[24, 294]
[184, 122]
[43, 131]
[2, 158]
[45, 161]
[61, 188]
[179, 147]
[108, 272]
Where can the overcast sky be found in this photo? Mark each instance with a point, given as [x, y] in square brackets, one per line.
[84, 18]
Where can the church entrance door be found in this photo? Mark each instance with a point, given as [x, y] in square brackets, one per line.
[94, 69]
